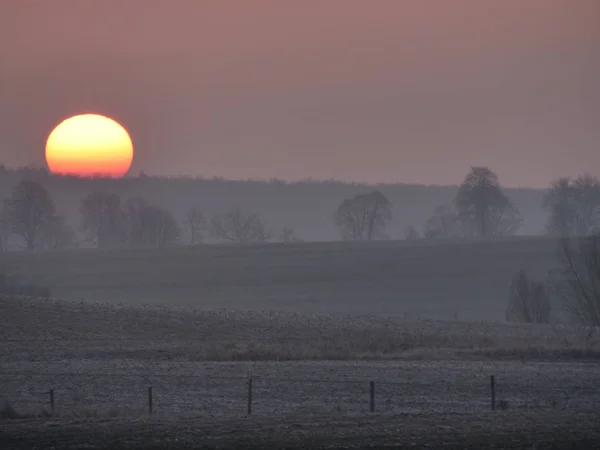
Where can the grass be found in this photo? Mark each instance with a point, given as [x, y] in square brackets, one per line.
[466, 279]
[59, 329]
[313, 324]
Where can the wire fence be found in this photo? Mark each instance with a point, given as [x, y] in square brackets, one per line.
[126, 394]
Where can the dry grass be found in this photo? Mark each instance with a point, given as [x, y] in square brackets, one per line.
[57, 329]
[432, 378]
[476, 431]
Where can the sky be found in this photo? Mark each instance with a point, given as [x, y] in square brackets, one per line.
[409, 91]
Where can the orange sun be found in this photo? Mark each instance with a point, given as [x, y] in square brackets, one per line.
[89, 145]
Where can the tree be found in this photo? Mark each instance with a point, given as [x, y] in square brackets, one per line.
[483, 208]
[288, 235]
[411, 233]
[574, 206]
[577, 281]
[238, 227]
[166, 229]
[5, 230]
[196, 224]
[363, 217]
[528, 300]
[29, 211]
[103, 219]
[58, 235]
[443, 223]
[149, 225]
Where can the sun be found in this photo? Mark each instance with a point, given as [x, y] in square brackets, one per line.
[89, 145]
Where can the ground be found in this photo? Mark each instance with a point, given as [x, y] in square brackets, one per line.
[311, 366]
[465, 280]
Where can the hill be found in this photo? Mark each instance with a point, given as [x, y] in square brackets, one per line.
[462, 279]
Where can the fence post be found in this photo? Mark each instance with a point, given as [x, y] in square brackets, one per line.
[493, 390]
[372, 402]
[150, 400]
[51, 401]
[249, 395]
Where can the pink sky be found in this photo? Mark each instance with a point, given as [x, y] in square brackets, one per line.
[376, 91]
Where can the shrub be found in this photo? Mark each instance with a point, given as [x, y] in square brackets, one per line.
[528, 300]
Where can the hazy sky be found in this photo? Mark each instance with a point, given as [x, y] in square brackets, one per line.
[391, 91]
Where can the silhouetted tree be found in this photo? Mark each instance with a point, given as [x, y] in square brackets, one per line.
[574, 206]
[58, 235]
[238, 227]
[103, 221]
[442, 224]
[528, 300]
[411, 233]
[196, 224]
[5, 230]
[29, 211]
[363, 217]
[288, 235]
[483, 208]
[149, 225]
[577, 281]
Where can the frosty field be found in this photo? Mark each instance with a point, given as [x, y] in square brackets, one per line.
[312, 326]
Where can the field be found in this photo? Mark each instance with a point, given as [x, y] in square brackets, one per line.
[465, 280]
[311, 347]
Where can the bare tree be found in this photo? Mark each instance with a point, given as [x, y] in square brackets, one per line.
[411, 233]
[443, 223]
[288, 235]
[103, 219]
[29, 210]
[528, 300]
[238, 227]
[196, 224]
[574, 206]
[166, 229]
[577, 281]
[363, 217]
[58, 235]
[150, 225]
[5, 230]
[483, 208]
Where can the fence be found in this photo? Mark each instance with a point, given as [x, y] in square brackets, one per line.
[115, 394]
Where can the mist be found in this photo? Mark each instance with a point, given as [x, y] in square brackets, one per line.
[347, 224]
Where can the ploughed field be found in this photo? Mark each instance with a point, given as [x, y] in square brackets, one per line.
[467, 280]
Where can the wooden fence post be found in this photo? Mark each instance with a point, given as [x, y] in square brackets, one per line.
[150, 400]
[51, 401]
[493, 390]
[372, 402]
[249, 395]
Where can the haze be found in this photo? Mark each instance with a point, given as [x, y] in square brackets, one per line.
[390, 91]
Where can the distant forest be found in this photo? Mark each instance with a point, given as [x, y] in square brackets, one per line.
[306, 206]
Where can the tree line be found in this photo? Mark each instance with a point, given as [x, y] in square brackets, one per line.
[480, 208]
[30, 219]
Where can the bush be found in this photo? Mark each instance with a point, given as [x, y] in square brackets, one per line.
[528, 301]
